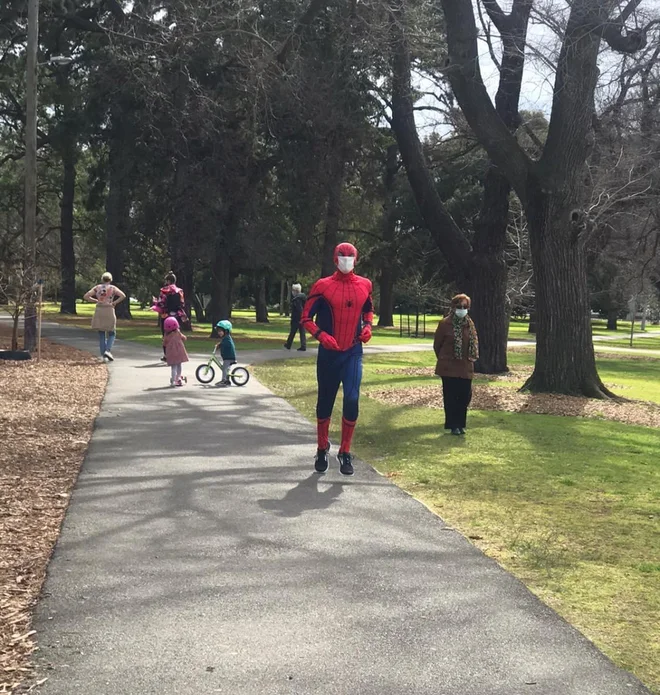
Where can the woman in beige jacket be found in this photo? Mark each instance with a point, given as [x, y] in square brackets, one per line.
[456, 347]
[106, 297]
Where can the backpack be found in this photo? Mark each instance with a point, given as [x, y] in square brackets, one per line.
[173, 303]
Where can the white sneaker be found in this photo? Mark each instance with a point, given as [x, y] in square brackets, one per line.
[109, 356]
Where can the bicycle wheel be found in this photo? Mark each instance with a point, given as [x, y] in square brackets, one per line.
[240, 376]
[205, 373]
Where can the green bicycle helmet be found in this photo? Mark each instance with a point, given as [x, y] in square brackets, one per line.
[225, 325]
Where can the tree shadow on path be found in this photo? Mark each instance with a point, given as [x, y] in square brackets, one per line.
[305, 496]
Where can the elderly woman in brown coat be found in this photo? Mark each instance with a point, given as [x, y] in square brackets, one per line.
[456, 347]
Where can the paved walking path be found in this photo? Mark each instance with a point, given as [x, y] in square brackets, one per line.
[201, 554]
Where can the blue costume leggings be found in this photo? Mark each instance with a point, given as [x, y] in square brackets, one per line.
[334, 368]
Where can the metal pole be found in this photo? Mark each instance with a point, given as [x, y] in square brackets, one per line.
[632, 319]
[30, 213]
[41, 302]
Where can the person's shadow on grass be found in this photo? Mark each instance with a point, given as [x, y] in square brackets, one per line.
[305, 496]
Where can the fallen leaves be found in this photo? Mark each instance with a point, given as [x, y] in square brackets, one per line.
[47, 410]
[494, 397]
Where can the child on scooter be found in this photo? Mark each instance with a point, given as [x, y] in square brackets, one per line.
[175, 350]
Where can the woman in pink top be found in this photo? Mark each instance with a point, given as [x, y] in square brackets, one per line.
[106, 297]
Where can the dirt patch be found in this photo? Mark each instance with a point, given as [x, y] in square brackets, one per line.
[47, 410]
[493, 397]
[517, 374]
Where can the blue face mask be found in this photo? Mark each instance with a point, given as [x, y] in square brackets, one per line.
[461, 313]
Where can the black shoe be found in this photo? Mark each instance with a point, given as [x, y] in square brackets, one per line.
[301, 349]
[163, 359]
[456, 431]
[321, 462]
[462, 429]
[345, 463]
[287, 347]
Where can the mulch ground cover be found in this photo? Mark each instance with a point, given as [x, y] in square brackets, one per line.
[47, 412]
[491, 396]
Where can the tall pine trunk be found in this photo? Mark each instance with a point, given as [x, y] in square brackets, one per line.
[612, 320]
[389, 220]
[261, 299]
[386, 302]
[222, 286]
[333, 213]
[118, 206]
[488, 275]
[67, 250]
[565, 359]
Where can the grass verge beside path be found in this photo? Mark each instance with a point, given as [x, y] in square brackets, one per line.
[47, 410]
[569, 505]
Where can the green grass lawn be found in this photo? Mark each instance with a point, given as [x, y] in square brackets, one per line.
[631, 378]
[248, 334]
[569, 505]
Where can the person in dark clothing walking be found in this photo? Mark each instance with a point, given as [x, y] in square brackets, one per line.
[297, 304]
[456, 347]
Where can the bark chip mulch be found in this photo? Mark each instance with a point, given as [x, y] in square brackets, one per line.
[47, 411]
[490, 396]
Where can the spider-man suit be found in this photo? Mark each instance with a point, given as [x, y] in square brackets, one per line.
[343, 309]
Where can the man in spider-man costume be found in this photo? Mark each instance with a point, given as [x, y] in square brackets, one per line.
[343, 309]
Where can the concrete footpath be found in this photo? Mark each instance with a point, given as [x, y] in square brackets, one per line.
[201, 554]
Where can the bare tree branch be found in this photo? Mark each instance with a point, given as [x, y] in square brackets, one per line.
[465, 76]
[633, 40]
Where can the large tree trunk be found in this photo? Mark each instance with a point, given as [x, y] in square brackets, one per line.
[118, 206]
[565, 360]
[480, 269]
[386, 301]
[612, 320]
[488, 277]
[67, 251]
[260, 299]
[333, 213]
[222, 286]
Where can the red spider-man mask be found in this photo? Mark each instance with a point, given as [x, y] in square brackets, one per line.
[346, 256]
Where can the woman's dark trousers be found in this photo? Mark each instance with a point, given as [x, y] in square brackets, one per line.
[456, 394]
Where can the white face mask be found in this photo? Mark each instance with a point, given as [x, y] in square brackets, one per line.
[461, 313]
[345, 263]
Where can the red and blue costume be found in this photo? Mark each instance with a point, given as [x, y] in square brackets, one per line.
[339, 314]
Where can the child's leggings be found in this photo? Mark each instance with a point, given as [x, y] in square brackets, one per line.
[226, 366]
[176, 371]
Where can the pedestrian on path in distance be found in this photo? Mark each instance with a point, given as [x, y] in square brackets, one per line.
[298, 300]
[106, 297]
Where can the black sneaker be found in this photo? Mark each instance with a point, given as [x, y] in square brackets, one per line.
[321, 462]
[345, 463]
[462, 429]
[287, 347]
[301, 349]
[456, 431]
